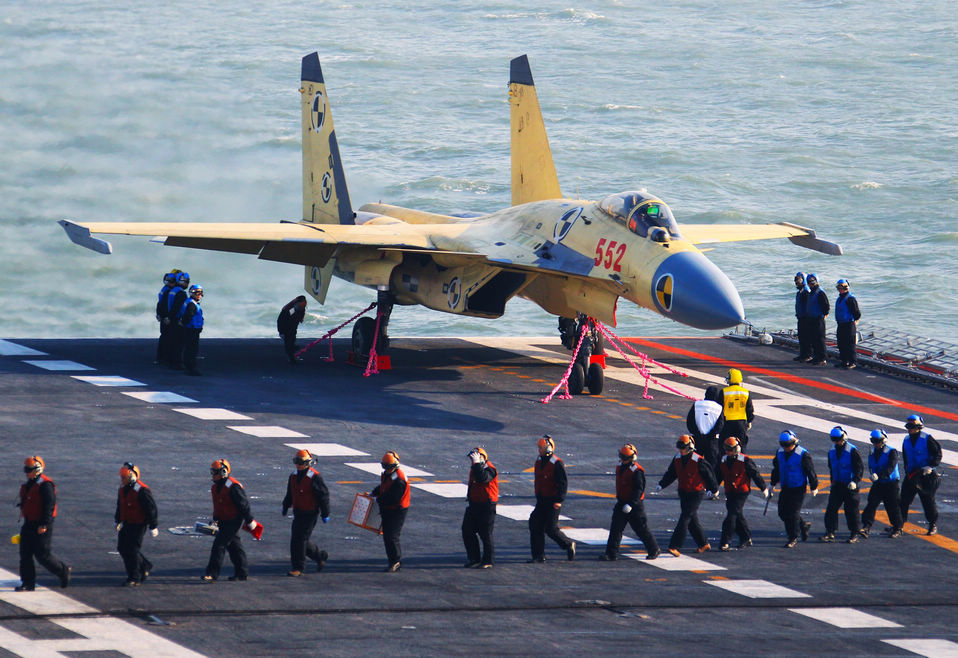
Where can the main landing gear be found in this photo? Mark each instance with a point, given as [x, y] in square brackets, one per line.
[586, 373]
[364, 330]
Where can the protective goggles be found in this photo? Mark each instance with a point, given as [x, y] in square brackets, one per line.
[301, 461]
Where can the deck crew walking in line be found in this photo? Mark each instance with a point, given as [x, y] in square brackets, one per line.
[551, 485]
[921, 453]
[885, 474]
[695, 477]
[735, 470]
[705, 422]
[478, 522]
[230, 512]
[793, 467]
[135, 513]
[629, 508]
[38, 508]
[393, 497]
[307, 494]
[736, 404]
[846, 468]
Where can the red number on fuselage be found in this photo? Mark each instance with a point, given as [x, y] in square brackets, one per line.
[598, 252]
[619, 253]
[610, 255]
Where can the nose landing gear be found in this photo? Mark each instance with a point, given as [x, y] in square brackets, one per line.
[586, 372]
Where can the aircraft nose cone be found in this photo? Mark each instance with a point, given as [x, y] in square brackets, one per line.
[689, 288]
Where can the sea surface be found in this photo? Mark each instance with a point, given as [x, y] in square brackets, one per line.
[840, 116]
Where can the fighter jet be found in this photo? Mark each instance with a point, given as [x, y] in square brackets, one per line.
[573, 258]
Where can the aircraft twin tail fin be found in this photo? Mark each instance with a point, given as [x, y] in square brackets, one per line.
[325, 197]
[533, 171]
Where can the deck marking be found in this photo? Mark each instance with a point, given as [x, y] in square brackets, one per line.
[328, 450]
[596, 536]
[8, 348]
[594, 494]
[521, 512]
[213, 414]
[446, 490]
[668, 562]
[107, 380]
[59, 365]
[917, 531]
[160, 397]
[268, 431]
[758, 589]
[932, 648]
[376, 468]
[846, 617]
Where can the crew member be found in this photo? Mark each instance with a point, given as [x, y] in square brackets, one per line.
[191, 319]
[846, 467]
[230, 512]
[705, 421]
[135, 512]
[551, 485]
[737, 407]
[816, 310]
[793, 467]
[38, 508]
[921, 453]
[287, 323]
[176, 298]
[695, 476]
[847, 315]
[392, 494]
[307, 494]
[886, 479]
[482, 494]
[162, 312]
[735, 470]
[629, 508]
[801, 301]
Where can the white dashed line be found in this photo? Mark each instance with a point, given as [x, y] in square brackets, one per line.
[595, 536]
[758, 589]
[13, 349]
[160, 397]
[444, 489]
[668, 562]
[328, 450]
[59, 365]
[213, 414]
[376, 468]
[846, 617]
[268, 431]
[930, 648]
[521, 512]
[107, 380]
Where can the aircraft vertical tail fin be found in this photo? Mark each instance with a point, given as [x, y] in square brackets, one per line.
[533, 170]
[325, 196]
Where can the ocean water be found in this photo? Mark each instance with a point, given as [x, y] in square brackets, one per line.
[837, 115]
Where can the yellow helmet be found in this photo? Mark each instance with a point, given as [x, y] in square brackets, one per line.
[734, 376]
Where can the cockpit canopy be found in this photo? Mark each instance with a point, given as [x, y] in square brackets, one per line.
[641, 213]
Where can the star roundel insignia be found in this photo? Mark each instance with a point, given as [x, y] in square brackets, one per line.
[565, 223]
[454, 293]
[315, 279]
[663, 291]
[327, 190]
[318, 111]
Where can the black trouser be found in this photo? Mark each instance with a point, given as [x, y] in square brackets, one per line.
[846, 336]
[735, 517]
[128, 545]
[289, 344]
[393, 520]
[544, 520]
[886, 492]
[908, 491]
[816, 338]
[191, 347]
[175, 344]
[736, 428]
[709, 447]
[33, 545]
[163, 344]
[804, 338]
[790, 501]
[640, 526]
[300, 546]
[227, 540]
[688, 520]
[477, 524]
[838, 496]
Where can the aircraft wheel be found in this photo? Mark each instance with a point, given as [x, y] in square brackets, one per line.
[596, 379]
[576, 379]
[598, 344]
[363, 332]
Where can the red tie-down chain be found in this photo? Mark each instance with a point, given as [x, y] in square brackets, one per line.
[564, 382]
[329, 334]
[372, 366]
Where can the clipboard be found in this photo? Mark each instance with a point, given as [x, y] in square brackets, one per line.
[365, 513]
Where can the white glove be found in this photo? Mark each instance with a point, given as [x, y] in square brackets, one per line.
[852, 486]
[874, 477]
[766, 492]
[119, 526]
[475, 457]
[626, 508]
[154, 533]
[252, 525]
[926, 470]
[814, 492]
[658, 488]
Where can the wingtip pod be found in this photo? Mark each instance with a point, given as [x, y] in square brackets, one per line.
[813, 242]
[81, 235]
[519, 71]
[312, 71]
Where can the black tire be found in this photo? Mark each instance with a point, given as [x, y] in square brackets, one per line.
[363, 332]
[576, 379]
[598, 345]
[596, 379]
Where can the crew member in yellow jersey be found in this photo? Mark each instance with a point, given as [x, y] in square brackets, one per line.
[736, 407]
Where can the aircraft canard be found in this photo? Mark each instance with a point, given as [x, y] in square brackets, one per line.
[571, 257]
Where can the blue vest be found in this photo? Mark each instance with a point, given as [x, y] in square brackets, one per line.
[800, 303]
[880, 463]
[790, 468]
[842, 314]
[196, 322]
[916, 455]
[841, 466]
[170, 296]
[812, 309]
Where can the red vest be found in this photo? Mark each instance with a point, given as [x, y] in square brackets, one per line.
[487, 492]
[733, 472]
[130, 509]
[386, 480]
[224, 509]
[31, 502]
[545, 483]
[623, 482]
[688, 474]
[302, 491]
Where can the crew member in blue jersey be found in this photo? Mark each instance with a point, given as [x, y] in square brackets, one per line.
[847, 314]
[885, 475]
[793, 468]
[191, 321]
[816, 310]
[846, 468]
[176, 298]
[801, 300]
[162, 311]
[921, 455]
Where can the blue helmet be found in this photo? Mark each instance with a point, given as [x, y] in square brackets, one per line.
[811, 275]
[787, 437]
[878, 436]
[842, 282]
[183, 279]
[195, 288]
[914, 422]
[169, 278]
[837, 434]
[800, 275]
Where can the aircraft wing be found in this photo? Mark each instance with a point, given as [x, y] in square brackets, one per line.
[799, 235]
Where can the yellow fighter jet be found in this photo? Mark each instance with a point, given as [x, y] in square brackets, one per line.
[573, 258]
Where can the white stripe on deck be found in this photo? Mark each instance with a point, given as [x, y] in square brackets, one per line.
[376, 469]
[59, 365]
[669, 562]
[594, 536]
[13, 349]
[328, 450]
[107, 380]
[444, 489]
[846, 617]
[758, 589]
[931, 648]
[213, 414]
[159, 397]
[268, 431]
[521, 512]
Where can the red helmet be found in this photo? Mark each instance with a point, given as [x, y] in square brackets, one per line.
[547, 444]
[628, 452]
[390, 460]
[303, 459]
[33, 465]
[219, 469]
[129, 473]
